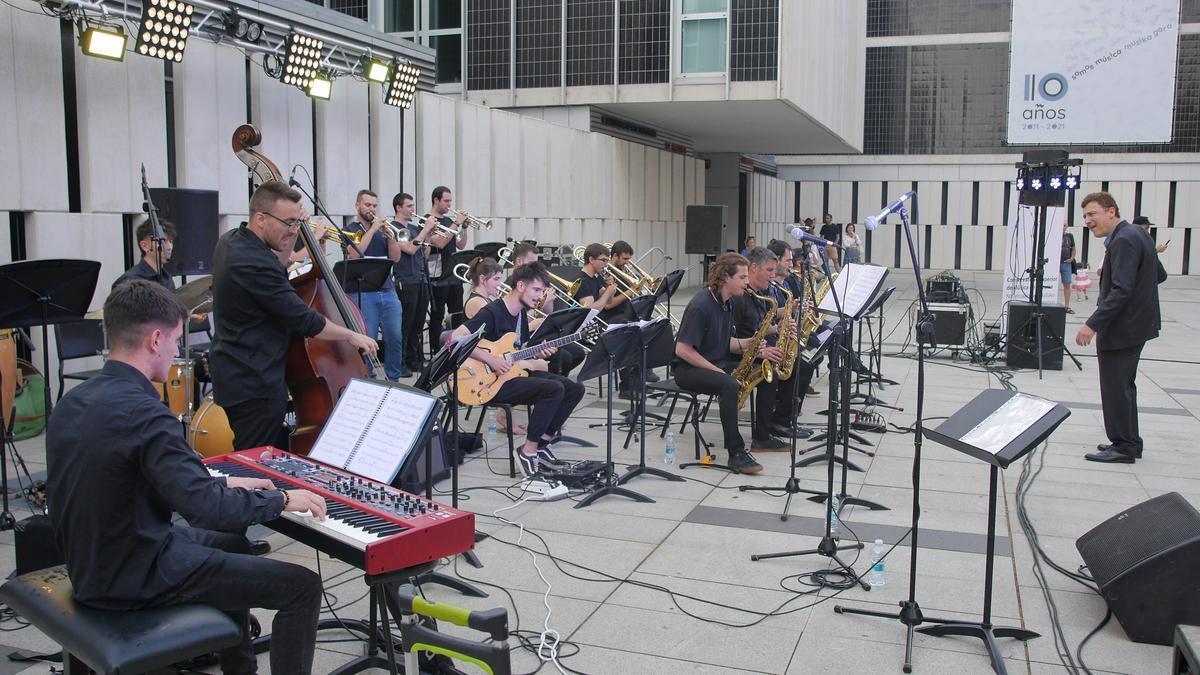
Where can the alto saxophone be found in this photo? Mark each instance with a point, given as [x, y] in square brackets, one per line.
[811, 320]
[788, 341]
[746, 373]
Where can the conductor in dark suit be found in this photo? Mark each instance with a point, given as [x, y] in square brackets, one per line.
[1126, 316]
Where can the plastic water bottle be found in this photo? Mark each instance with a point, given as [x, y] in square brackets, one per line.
[833, 518]
[669, 456]
[491, 429]
[877, 578]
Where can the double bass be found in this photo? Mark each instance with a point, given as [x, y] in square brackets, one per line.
[317, 371]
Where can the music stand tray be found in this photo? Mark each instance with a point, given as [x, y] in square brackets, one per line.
[616, 348]
[363, 275]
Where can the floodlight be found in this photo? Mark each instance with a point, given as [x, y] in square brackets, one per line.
[320, 86]
[106, 42]
[164, 28]
[377, 71]
[301, 60]
[403, 87]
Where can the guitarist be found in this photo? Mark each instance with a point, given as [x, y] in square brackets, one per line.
[552, 397]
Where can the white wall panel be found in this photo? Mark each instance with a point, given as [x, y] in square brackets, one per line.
[870, 194]
[810, 200]
[506, 164]
[559, 166]
[284, 116]
[122, 124]
[210, 103]
[637, 180]
[679, 191]
[386, 142]
[1156, 201]
[974, 247]
[473, 189]
[991, 203]
[437, 149]
[929, 204]
[883, 242]
[840, 193]
[958, 205]
[342, 141]
[33, 173]
[650, 184]
[621, 180]
[1187, 205]
[534, 170]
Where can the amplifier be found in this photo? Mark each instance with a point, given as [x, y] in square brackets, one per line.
[949, 323]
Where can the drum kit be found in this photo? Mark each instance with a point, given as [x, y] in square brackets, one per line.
[206, 424]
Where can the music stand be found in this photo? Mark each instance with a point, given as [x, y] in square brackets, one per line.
[443, 368]
[997, 427]
[363, 275]
[656, 344]
[556, 325]
[463, 257]
[615, 348]
[876, 363]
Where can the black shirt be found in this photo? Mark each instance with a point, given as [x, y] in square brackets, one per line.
[1068, 244]
[707, 325]
[118, 465]
[831, 232]
[748, 312]
[497, 322]
[410, 268]
[143, 270]
[447, 257]
[378, 248]
[255, 311]
[590, 286]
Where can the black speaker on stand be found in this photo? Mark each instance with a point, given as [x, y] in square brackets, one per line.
[1144, 560]
[197, 220]
[705, 229]
[1023, 349]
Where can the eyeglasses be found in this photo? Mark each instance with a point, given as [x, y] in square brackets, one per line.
[291, 223]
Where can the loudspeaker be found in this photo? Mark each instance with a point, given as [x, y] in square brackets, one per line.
[1145, 561]
[411, 477]
[1022, 336]
[705, 229]
[197, 227]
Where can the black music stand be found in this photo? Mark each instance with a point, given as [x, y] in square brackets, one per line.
[443, 368]
[997, 427]
[876, 361]
[656, 344]
[615, 348]
[363, 275]
[556, 325]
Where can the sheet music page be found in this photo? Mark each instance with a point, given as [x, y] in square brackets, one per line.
[372, 429]
[1007, 422]
[855, 287]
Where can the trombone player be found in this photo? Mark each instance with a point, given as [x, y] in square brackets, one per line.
[563, 361]
[381, 310]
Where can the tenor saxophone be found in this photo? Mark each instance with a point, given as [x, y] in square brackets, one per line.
[787, 341]
[747, 374]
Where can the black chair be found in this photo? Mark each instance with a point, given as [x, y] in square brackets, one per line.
[116, 642]
[508, 410]
[694, 414]
[77, 340]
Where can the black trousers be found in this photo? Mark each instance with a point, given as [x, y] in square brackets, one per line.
[258, 422]
[1118, 396]
[233, 581]
[414, 300]
[774, 403]
[443, 300]
[553, 399]
[566, 359]
[704, 381]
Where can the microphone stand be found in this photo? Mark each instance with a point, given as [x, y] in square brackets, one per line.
[343, 242]
[159, 236]
[910, 612]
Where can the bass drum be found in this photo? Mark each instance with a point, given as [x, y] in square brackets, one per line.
[8, 373]
[209, 433]
[179, 391]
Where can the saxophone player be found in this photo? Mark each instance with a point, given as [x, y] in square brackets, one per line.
[786, 275]
[775, 407]
[703, 347]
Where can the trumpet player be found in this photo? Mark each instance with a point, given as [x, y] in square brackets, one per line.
[446, 291]
[381, 310]
[410, 274]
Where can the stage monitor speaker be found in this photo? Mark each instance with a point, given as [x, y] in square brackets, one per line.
[195, 215]
[1022, 336]
[705, 229]
[1144, 560]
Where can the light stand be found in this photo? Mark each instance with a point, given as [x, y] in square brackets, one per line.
[910, 612]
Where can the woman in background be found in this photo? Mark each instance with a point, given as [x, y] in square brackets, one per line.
[852, 244]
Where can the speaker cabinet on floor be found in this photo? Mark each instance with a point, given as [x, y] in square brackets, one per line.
[1022, 336]
[197, 226]
[1145, 561]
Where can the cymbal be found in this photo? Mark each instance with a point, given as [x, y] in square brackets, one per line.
[95, 314]
[195, 293]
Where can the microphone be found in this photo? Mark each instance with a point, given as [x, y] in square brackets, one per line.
[873, 222]
[292, 177]
[799, 234]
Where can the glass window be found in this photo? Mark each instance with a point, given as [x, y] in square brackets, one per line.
[445, 14]
[703, 46]
[398, 16]
[449, 58]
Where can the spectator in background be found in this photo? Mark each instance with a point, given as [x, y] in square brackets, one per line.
[1144, 223]
[751, 242]
[831, 231]
[852, 244]
[1066, 266]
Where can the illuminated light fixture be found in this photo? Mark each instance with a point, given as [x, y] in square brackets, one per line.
[320, 86]
[103, 42]
[403, 86]
[1072, 182]
[1021, 180]
[164, 28]
[377, 71]
[1035, 183]
[301, 60]
[1056, 182]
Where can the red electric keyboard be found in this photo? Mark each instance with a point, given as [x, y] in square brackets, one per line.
[375, 527]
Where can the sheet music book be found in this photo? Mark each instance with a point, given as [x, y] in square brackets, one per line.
[373, 428]
[855, 286]
[1007, 422]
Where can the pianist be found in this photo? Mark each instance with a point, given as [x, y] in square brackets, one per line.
[118, 466]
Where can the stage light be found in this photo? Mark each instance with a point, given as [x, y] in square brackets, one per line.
[377, 71]
[1056, 182]
[103, 42]
[1021, 180]
[164, 28]
[403, 87]
[320, 87]
[240, 27]
[1035, 183]
[1072, 182]
[301, 60]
